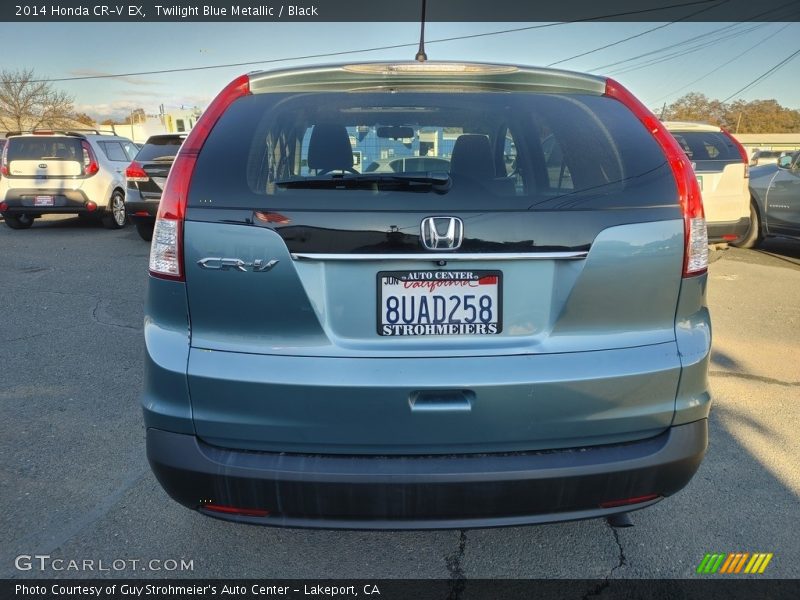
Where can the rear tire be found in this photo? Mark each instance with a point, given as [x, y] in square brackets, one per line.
[23, 221]
[145, 231]
[753, 237]
[115, 217]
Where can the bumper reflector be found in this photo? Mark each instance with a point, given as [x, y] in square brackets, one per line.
[91, 206]
[627, 501]
[235, 510]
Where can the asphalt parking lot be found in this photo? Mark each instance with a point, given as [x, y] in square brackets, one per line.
[76, 485]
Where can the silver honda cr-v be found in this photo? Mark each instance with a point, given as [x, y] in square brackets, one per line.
[507, 325]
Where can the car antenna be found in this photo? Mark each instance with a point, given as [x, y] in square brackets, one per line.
[421, 56]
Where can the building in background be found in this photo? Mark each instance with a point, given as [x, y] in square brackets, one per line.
[142, 127]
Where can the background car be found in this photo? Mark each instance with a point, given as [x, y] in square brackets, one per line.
[64, 172]
[722, 168]
[765, 157]
[498, 344]
[408, 164]
[146, 177]
[775, 201]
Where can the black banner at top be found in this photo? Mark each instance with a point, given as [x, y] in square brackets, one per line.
[399, 10]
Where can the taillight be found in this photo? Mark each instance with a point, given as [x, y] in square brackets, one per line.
[695, 256]
[4, 161]
[742, 152]
[90, 166]
[135, 172]
[3, 206]
[166, 250]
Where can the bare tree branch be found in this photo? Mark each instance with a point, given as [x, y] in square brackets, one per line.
[26, 103]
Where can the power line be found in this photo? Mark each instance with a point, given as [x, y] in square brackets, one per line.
[718, 67]
[764, 75]
[627, 39]
[689, 50]
[773, 13]
[664, 48]
[373, 49]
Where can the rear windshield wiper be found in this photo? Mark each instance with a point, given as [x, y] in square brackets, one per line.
[439, 182]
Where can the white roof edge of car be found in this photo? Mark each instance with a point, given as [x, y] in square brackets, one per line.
[690, 126]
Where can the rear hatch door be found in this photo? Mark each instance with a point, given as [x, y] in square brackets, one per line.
[549, 323]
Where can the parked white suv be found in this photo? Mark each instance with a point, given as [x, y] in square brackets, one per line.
[64, 172]
[722, 168]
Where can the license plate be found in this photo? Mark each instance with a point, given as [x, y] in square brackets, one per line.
[414, 303]
[43, 201]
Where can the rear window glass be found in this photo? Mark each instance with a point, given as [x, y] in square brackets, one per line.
[502, 151]
[707, 145]
[45, 148]
[160, 148]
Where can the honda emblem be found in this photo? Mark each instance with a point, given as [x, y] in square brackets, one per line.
[441, 233]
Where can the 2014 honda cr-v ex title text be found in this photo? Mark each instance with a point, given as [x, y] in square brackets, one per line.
[501, 321]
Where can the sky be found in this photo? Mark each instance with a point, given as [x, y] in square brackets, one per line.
[59, 50]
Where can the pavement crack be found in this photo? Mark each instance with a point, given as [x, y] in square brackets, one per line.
[99, 321]
[758, 378]
[49, 541]
[25, 337]
[621, 562]
[455, 567]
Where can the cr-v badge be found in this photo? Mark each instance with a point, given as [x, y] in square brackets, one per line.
[236, 264]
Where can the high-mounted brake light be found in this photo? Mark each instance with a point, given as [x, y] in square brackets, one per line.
[695, 257]
[742, 151]
[90, 166]
[166, 250]
[135, 172]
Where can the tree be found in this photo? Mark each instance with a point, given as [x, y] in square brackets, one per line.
[27, 102]
[756, 116]
[84, 119]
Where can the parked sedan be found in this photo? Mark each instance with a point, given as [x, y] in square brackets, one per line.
[146, 177]
[775, 201]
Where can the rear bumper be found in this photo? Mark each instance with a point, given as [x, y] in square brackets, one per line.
[65, 202]
[426, 492]
[721, 231]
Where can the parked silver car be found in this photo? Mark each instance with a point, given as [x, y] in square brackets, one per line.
[775, 201]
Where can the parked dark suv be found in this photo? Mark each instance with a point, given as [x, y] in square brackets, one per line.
[521, 337]
[146, 177]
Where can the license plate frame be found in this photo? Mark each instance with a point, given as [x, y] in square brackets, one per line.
[440, 280]
[44, 200]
